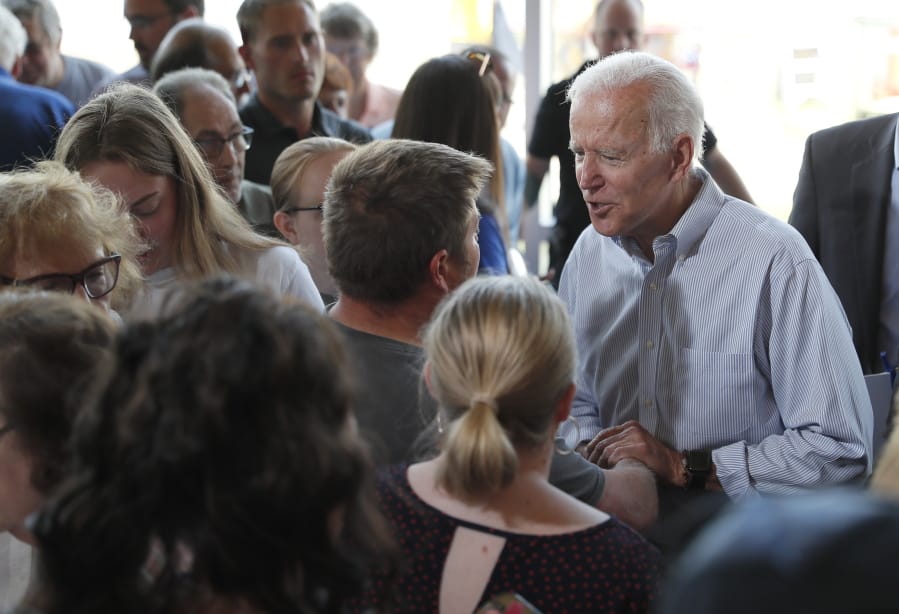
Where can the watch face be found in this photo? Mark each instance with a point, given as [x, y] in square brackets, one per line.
[699, 461]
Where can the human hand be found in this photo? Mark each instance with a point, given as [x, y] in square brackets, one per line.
[631, 440]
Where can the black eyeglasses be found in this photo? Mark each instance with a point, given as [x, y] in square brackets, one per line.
[213, 146]
[97, 280]
[295, 209]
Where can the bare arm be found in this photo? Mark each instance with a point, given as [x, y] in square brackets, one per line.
[725, 175]
[536, 169]
[630, 494]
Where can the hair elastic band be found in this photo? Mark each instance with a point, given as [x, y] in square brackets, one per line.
[483, 399]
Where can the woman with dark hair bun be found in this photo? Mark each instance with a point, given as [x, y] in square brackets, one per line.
[217, 469]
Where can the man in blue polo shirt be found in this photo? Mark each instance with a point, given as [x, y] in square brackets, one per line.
[31, 116]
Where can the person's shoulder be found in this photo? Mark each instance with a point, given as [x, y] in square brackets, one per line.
[45, 98]
[856, 128]
[92, 71]
[334, 125]
[758, 230]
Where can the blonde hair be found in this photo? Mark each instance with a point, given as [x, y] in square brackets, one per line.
[51, 208]
[292, 163]
[500, 355]
[132, 125]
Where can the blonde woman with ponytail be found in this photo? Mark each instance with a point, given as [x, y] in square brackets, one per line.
[481, 519]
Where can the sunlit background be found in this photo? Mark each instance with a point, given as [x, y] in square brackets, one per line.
[770, 71]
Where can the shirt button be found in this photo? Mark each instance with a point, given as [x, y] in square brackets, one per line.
[681, 258]
[653, 286]
[650, 344]
[648, 402]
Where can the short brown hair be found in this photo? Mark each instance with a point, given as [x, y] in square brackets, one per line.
[389, 207]
[250, 13]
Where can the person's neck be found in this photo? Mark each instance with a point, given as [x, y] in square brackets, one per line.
[359, 100]
[683, 195]
[296, 114]
[399, 321]
[55, 71]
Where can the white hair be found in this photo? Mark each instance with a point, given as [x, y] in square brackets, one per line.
[674, 106]
[13, 39]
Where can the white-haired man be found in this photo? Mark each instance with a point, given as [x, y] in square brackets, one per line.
[30, 116]
[713, 348]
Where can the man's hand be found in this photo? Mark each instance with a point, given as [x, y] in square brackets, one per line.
[631, 440]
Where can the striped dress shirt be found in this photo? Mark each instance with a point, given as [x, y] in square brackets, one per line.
[731, 340]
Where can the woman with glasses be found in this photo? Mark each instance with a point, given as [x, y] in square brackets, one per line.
[129, 142]
[61, 234]
[230, 480]
[448, 100]
[299, 178]
[51, 344]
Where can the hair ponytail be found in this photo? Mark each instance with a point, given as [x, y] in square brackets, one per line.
[479, 457]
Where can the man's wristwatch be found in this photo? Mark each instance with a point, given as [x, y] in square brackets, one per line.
[697, 468]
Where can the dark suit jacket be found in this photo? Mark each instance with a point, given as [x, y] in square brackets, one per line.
[840, 207]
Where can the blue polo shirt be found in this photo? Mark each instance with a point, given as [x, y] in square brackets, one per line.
[30, 120]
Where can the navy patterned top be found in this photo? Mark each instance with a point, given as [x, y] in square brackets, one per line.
[604, 568]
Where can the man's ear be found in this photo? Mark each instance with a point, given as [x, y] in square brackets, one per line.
[16, 69]
[563, 407]
[245, 53]
[187, 13]
[439, 270]
[682, 156]
[284, 222]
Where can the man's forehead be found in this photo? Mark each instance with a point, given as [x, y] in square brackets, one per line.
[204, 107]
[145, 7]
[290, 17]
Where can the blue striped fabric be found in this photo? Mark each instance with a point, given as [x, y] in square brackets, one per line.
[733, 340]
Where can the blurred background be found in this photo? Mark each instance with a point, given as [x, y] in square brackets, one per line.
[770, 71]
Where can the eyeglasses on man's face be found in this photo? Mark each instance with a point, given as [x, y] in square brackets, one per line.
[213, 146]
[97, 280]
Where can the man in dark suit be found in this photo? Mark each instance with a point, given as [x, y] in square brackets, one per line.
[848, 185]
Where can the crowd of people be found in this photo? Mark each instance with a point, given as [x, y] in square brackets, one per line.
[264, 346]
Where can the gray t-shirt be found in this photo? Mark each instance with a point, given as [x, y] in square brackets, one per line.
[392, 406]
[80, 78]
[393, 409]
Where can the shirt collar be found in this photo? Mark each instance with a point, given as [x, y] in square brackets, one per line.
[265, 123]
[896, 145]
[692, 225]
[696, 220]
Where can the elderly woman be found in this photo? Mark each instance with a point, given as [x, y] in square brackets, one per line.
[59, 233]
[225, 480]
[128, 141]
[299, 178]
[481, 519]
[51, 344]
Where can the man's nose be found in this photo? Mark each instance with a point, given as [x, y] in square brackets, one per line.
[588, 173]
